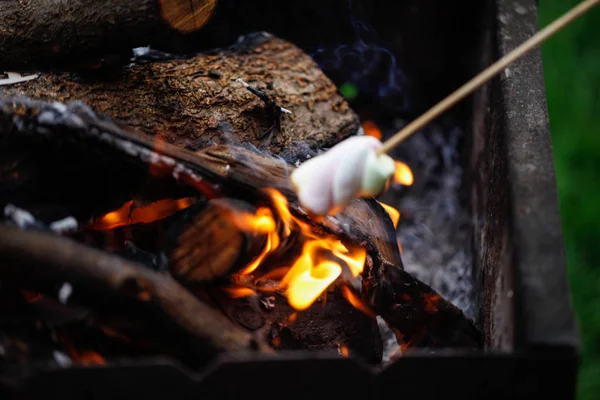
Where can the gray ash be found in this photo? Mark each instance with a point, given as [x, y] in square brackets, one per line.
[434, 228]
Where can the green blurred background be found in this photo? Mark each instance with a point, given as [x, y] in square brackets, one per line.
[572, 73]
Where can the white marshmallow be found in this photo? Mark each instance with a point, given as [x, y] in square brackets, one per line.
[328, 182]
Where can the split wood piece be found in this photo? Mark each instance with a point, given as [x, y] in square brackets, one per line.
[330, 324]
[417, 314]
[46, 257]
[40, 34]
[196, 102]
[212, 244]
[238, 172]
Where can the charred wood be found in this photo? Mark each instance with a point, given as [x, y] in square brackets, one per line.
[42, 34]
[331, 324]
[410, 307]
[197, 102]
[43, 257]
[417, 314]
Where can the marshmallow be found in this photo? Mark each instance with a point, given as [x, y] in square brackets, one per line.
[328, 182]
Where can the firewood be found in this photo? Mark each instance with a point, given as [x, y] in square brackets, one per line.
[39, 34]
[211, 245]
[43, 257]
[198, 101]
[235, 171]
[331, 324]
[417, 314]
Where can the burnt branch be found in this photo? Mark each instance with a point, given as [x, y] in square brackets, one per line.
[40, 34]
[43, 257]
[197, 102]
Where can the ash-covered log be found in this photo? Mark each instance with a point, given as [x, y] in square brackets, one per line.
[196, 102]
[40, 34]
[238, 172]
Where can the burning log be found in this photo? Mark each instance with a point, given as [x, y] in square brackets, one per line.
[408, 306]
[198, 101]
[41, 257]
[331, 324]
[40, 34]
[214, 243]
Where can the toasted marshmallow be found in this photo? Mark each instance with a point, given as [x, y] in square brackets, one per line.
[350, 169]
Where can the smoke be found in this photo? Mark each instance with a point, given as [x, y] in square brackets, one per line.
[368, 65]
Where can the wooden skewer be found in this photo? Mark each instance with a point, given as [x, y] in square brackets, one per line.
[486, 75]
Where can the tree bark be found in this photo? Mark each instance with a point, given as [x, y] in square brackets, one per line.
[196, 102]
[44, 257]
[40, 34]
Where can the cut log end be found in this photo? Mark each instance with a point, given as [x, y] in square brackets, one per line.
[211, 244]
[186, 16]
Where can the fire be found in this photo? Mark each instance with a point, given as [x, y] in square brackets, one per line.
[261, 222]
[356, 302]
[392, 212]
[403, 174]
[371, 129]
[239, 292]
[84, 357]
[128, 215]
[319, 264]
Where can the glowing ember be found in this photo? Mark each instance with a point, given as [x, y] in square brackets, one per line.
[293, 318]
[239, 292]
[84, 357]
[371, 129]
[128, 215]
[89, 358]
[392, 212]
[403, 174]
[344, 350]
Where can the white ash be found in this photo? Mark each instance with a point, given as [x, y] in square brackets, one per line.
[434, 228]
[65, 225]
[62, 359]
[141, 51]
[15, 77]
[65, 292]
[20, 217]
[390, 344]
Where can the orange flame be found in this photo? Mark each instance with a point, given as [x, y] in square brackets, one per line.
[84, 357]
[356, 302]
[128, 215]
[239, 292]
[261, 222]
[403, 174]
[88, 358]
[320, 263]
[392, 212]
[371, 129]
